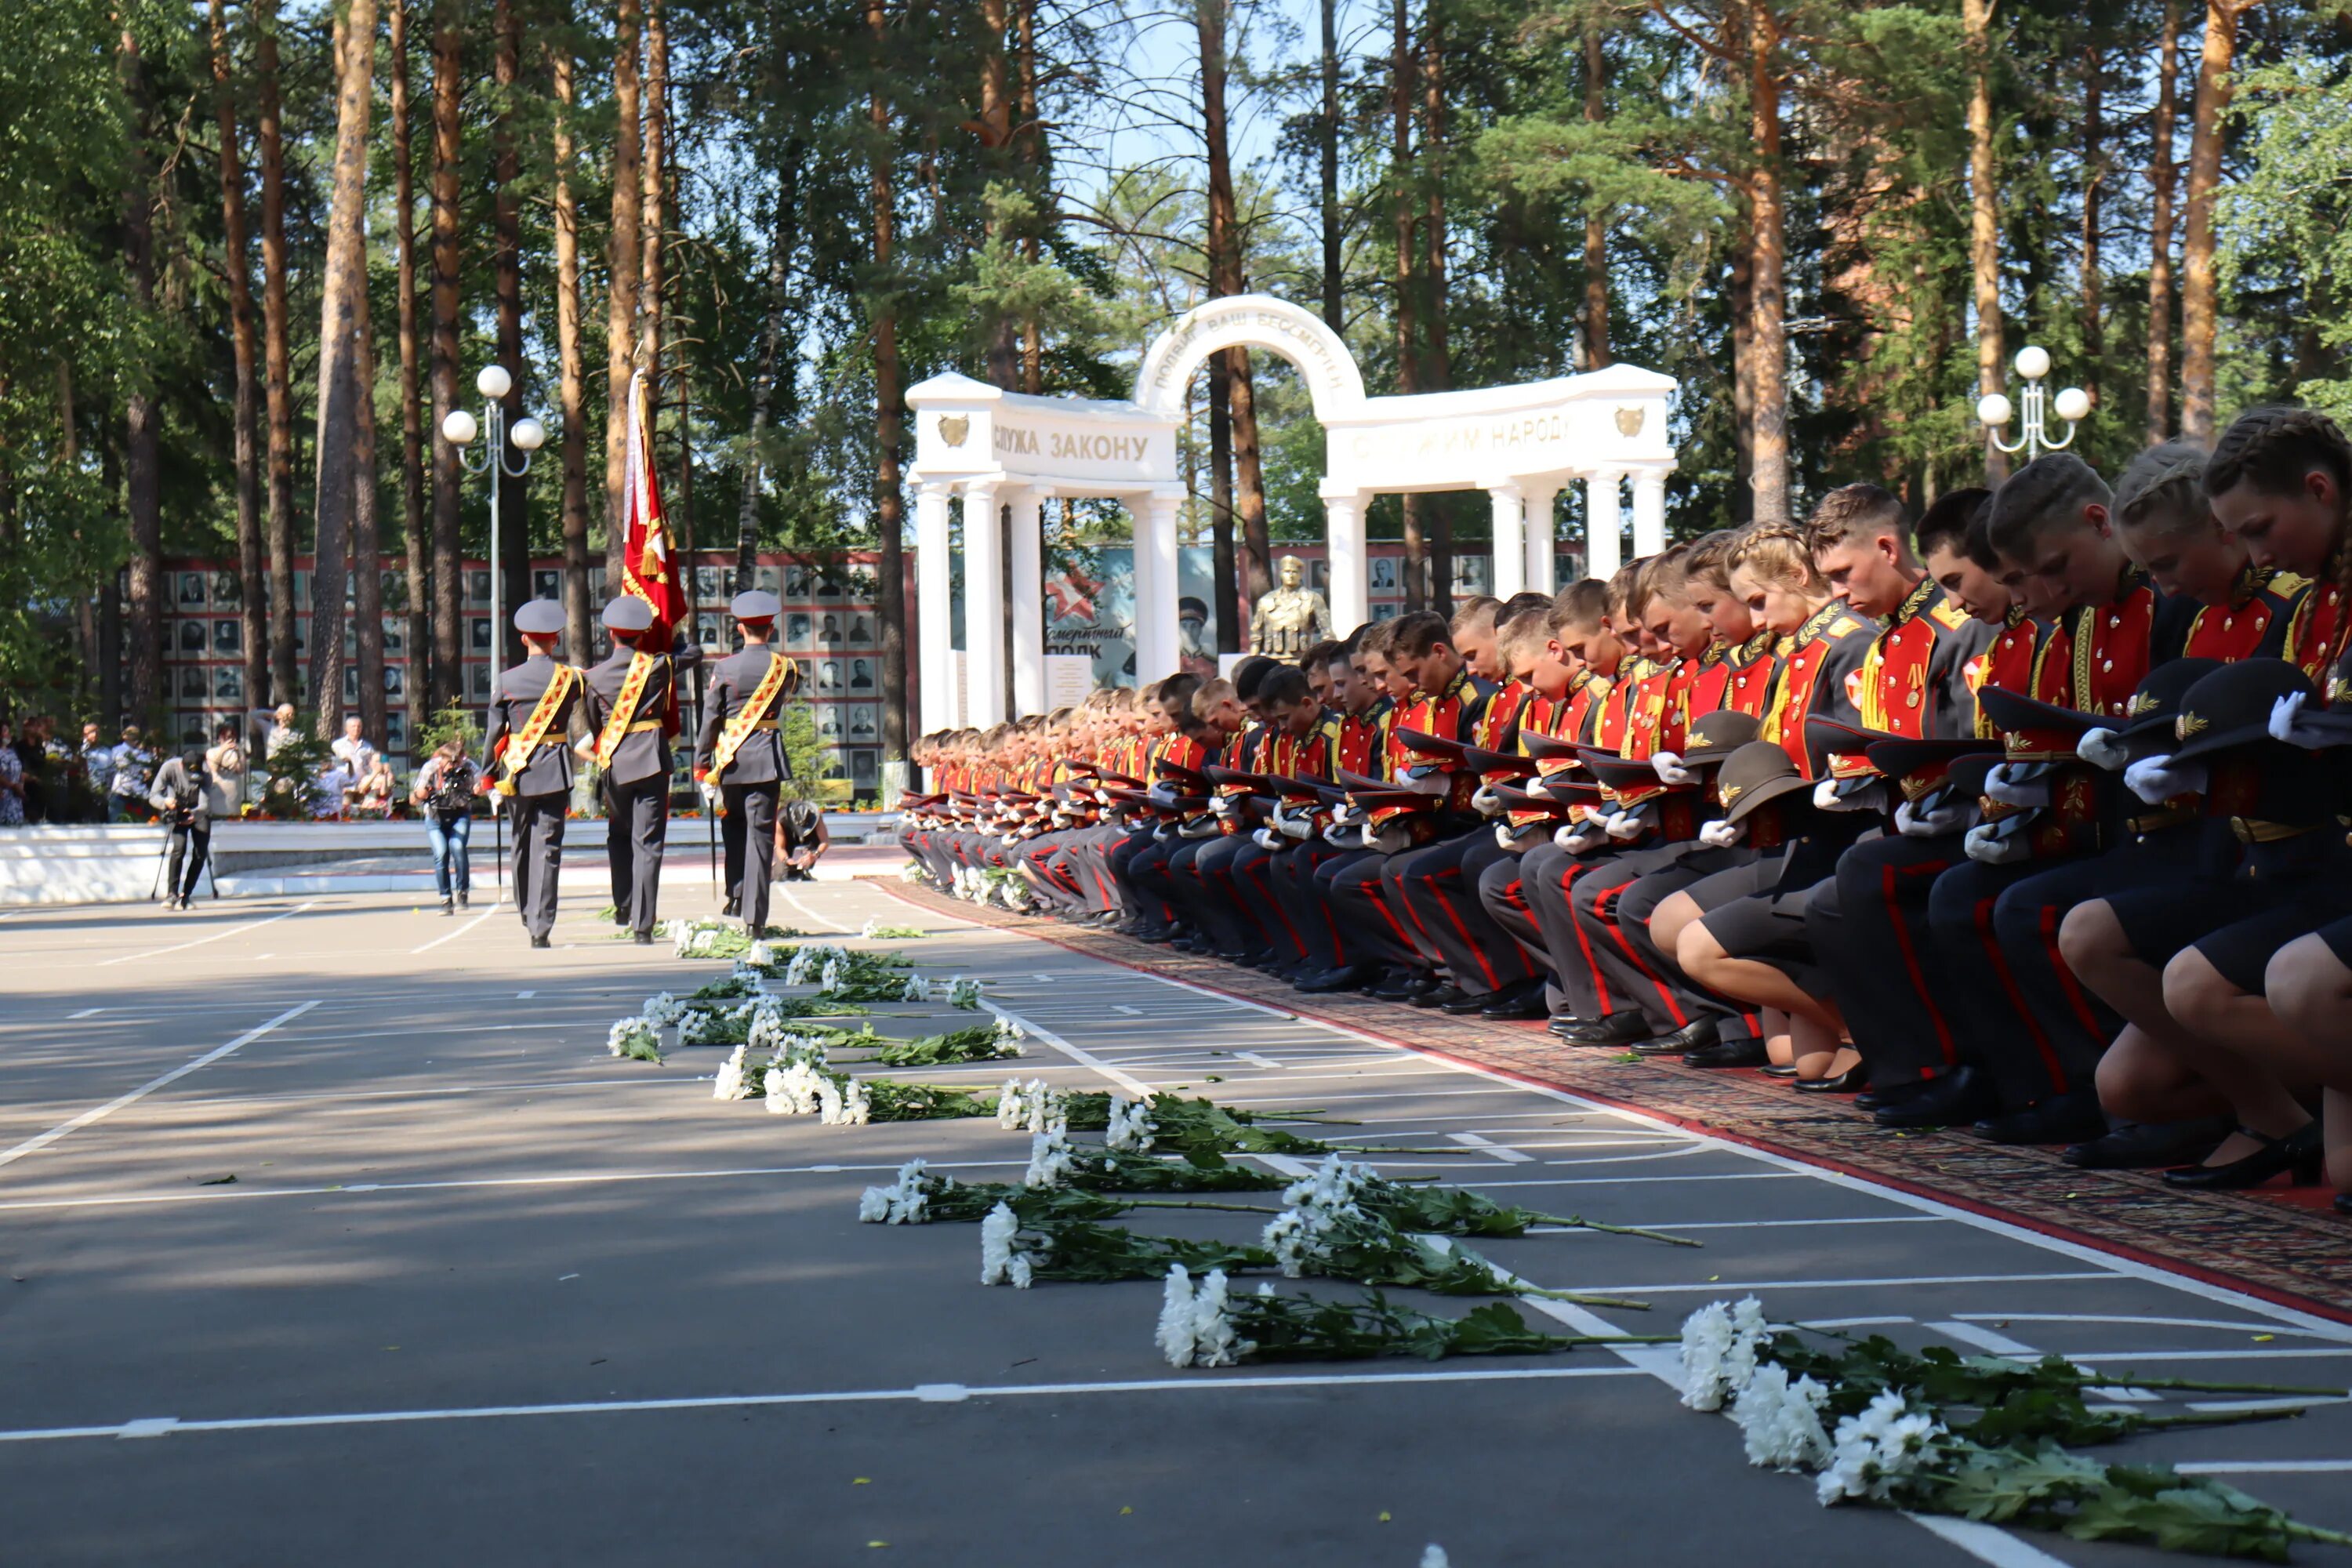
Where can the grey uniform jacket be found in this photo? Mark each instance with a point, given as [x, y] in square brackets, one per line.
[645, 752]
[733, 679]
[519, 691]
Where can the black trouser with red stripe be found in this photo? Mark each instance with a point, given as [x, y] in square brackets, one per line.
[1255, 875]
[2038, 1030]
[1142, 875]
[1502, 894]
[1330, 942]
[1625, 969]
[1887, 969]
[1375, 923]
[1439, 884]
[1205, 886]
[1548, 878]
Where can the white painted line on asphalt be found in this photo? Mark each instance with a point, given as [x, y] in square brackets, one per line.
[454, 935]
[811, 915]
[1724, 1287]
[1985, 1338]
[2317, 1331]
[925, 1393]
[525, 996]
[1489, 1148]
[33, 1145]
[2276, 1352]
[87, 1013]
[1253, 1057]
[2264, 1467]
[1084, 1059]
[1763, 1224]
[1132, 1012]
[216, 936]
[1986, 1542]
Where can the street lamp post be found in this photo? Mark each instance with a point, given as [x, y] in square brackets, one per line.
[527, 436]
[2072, 404]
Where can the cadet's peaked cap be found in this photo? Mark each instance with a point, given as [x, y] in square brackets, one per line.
[628, 614]
[1759, 772]
[2231, 707]
[755, 605]
[539, 617]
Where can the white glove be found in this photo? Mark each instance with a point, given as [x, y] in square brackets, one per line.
[2103, 749]
[1669, 765]
[2283, 712]
[1988, 846]
[1627, 826]
[710, 797]
[1722, 835]
[1223, 804]
[1265, 838]
[1389, 840]
[1195, 829]
[1912, 823]
[1348, 814]
[2016, 784]
[1344, 835]
[1505, 835]
[1850, 794]
[2155, 781]
[1486, 802]
[1294, 827]
[1102, 797]
[1584, 836]
[1540, 786]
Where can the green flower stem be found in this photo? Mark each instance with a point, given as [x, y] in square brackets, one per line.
[1573, 1223]
[2126, 1380]
[1582, 1301]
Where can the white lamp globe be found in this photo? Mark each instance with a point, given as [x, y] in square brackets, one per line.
[459, 428]
[1994, 410]
[2034, 361]
[528, 435]
[493, 382]
[2072, 404]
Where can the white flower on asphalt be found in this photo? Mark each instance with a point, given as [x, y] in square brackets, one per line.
[903, 1202]
[1298, 1236]
[1010, 1110]
[732, 1082]
[1131, 1127]
[918, 989]
[1718, 1351]
[662, 1010]
[963, 994]
[793, 1089]
[632, 1037]
[760, 956]
[1000, 1263]
[1336, 1183]
[842, 1102]
[1875, 1450]
[1051, 1160]
[830, 980]
[1214, 1340]
[1781, 1421]
[1175, 1335]
[1433, 1556]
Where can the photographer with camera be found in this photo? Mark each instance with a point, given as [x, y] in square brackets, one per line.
[446, 787]
[180, 806]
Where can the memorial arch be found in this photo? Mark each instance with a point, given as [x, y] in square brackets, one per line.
[1521, 445]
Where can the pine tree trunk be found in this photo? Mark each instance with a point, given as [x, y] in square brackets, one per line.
[1437, 368]
[506, 246]
[2163, 172]
[367, 542]
[995, 140]
[783, 241]
[1408, 330]
[1596, 223]
[621, 295]
[571, 392]
[1223, 563]
[1335, 315]
[1032, 140]
[142, 455]
[417, 636]
[1768, 295]
[253, 586]
[277, 372]
[450, 639]
[889, 431]
[2094, 173]
[342, 355]
[1740, 299]
[2199, 285]
[1984, 219]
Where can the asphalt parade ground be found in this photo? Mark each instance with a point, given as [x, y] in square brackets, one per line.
[332, 1234]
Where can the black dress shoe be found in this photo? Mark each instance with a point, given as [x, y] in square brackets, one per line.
[756, 933]
[1403, 985]
[1439, 995]
[1529, 1006]
[539, 942]
[1466, 1004]
[1775, 1069]
[732, 910]
[642, 938]
[1693, 1035]
[1746, 1053]
[1614, 1029]
[2299, 1154]
[620, 916]
[1955, 1100]
[2142, 1146]
[2061, 1118]
[1347, 977]
[1851, 1081]
[1892, 1094]
[2343, 1203]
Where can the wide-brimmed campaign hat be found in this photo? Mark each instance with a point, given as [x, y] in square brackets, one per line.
[2034, 730]
[1756, 774]
[2231, 706]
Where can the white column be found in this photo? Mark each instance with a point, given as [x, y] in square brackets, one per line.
[1602, 551]
[1351, 587]
[1028, 602]
[1541, 515]
[934, 607]
[1649, 511]
[1507, 557]
[983, 605]
[1156, 641]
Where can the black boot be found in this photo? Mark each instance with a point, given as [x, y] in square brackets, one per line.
[1957, 1098]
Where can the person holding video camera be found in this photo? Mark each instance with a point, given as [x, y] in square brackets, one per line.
[446, 787]
[180, 806]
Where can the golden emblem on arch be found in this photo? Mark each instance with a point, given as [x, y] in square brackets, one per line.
[1630, 417]
[2187, 725]
[954, 427]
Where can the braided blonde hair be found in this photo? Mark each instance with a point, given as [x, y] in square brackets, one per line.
[2163, 490]
[2271, 449]
[1777, 550]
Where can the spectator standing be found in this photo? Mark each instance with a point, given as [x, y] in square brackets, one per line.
[97, 766]
[224, 771]
[179, 798]
[128, 765]
[282, 734]
[353, 748]
[12, 779]
[446, 787]
[42, 776]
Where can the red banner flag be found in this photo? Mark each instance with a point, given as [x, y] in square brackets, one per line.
[648, 568]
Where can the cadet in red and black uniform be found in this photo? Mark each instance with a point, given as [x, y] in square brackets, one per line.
[1201, 923]
[1175, 736]
[1918, 683]
[1995, 919]
[1302, 738]
[1235, 924]
[1337, 961]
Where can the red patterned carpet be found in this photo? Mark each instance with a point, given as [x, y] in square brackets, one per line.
[2285, 1246]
